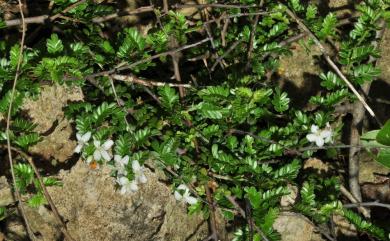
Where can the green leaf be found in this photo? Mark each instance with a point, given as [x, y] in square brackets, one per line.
[328, 26]
[253, 196]
[383, 136]
[37, 200]
[169, 97]
[365, 73]
[26, 141]
[311, 12]
[3, 213]
[384, 157]
[280, 101]
[54, 44]
[371, 135]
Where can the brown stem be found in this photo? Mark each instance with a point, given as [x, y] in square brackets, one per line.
[251, 40]
[7, 130]
[135, 80]
[213, 222]
[233, 201]
[125, 66]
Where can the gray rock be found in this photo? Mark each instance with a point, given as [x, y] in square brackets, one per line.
[94, 211]
[293, 227]
[6, 196]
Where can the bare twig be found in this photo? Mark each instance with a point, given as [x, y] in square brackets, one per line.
[358, 116]
[251, 40]
[330, 62]
[220, 58]
[237, 16]
[125, 66]
[67, 9]
[165, 6]
[233, 201]
[347, 194]
[123, 13]
[133, 79]
[212, 5]
[224, 31]
[46, 18]
[7, 130]
[367, 204]
[213, 222]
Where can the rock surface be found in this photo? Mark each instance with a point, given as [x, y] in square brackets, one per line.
[47, 112]
[94, 211]
[6, 196]
[293, 227]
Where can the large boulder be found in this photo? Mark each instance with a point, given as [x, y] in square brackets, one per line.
[94, 210]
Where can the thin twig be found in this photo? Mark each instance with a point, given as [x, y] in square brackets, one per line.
[251, 41]
[212, 5]
[357, 118]
[133, 79]
[367, 204]
[46, 18]
[125, 66]
[330, 62]
[165, 6]
[233, 201]
[45, 193]
[7, 129]
[124, 12]
[213, 222]
[67, 9]
[237, 16]
[347, 194]
[220, 58]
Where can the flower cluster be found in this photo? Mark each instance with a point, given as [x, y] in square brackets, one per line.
[126, 185]
[320, 136]
[183, 194]
[102, 152]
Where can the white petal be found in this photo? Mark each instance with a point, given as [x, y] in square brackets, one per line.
[142, 178]
[108, 144]
[326, 134]
[314, 128]
[78, 148]
[97, 155]
[96, 143]
[133, 186]
[78, 137]
[320, 142]
[136, 166]
[86, 137]
[311, 137]
[191, 200]
[123, 181]
[178, 196]
[117, 158]
[125, 160]
[182, 187]
[123, 190]
[89, 159]
[105, 155]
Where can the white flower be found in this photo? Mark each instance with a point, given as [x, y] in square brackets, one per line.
[320, 137]
[120, 164]
[102, 150]
[138, 172]
[182, 193]
[89, 159]
[127, 186]
[81, 141]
